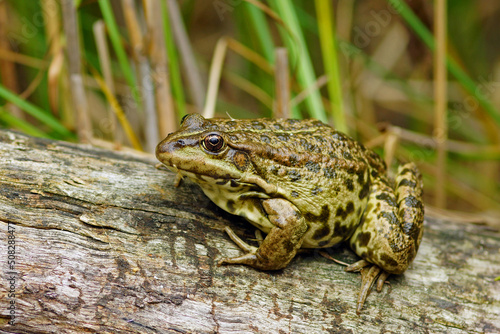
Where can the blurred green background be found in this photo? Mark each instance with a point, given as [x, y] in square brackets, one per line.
[122, 73]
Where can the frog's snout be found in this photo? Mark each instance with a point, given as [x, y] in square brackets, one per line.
[170, 147]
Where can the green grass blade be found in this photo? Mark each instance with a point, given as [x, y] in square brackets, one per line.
[261, 30]
[44, 117]
[297, 48]
[174, 66]
[115, 38]
[20, 124]
[328, 42]
[426, 36]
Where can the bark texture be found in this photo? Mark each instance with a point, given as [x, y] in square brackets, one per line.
[105, 244]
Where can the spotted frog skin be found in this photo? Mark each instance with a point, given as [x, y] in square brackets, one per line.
[306, 186]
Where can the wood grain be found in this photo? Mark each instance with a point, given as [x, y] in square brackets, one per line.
[105, 243]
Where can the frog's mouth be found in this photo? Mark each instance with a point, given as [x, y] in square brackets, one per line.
[204, 177]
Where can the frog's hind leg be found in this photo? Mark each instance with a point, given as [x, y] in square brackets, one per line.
[281, 243]
[391, 228]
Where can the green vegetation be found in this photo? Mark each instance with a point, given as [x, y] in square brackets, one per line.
[364, 67]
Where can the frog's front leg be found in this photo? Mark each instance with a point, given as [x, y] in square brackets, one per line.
[281, 243]
[391, 229]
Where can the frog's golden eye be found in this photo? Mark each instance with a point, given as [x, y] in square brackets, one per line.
[213, 142]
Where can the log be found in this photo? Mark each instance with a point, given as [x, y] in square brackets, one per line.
[102, 242]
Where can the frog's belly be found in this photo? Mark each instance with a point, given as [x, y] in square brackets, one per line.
[238, 200]
[329, 226]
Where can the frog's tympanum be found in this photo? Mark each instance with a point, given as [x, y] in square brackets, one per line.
[306, 186]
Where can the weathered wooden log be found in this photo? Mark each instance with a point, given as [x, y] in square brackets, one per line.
[102, 242]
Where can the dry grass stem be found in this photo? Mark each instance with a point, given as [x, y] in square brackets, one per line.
[441, 100]
[22, 59]
[250, 55]
[99, 30]
[191, 70]
[282, 84]
[8, 74]
[118, 111]
[214, 77]
[83, 124]
[249, 87]
[159, 64]
[151, 131]
[318, 84]
[390, 146]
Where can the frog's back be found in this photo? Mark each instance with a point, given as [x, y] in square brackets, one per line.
[325, 173]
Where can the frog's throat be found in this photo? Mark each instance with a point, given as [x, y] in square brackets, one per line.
[246, 179]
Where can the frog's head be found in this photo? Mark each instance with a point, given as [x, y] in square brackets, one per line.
[200, 149]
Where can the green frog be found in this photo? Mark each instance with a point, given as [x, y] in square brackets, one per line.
[305, 185]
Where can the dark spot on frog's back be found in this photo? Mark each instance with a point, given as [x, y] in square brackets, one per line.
[283, 137]
[321, 232]
[406, 170]
[413, 202]
[317, 123]
[389, 261]
[411, 229]
[329, 172]
[347, 155]
[293, 158]
[294, 175]
[361, 177]
[365, 190]
[321, 218]
[341, 230]
[257, 125]
[230, 205]
[313, 167]
[349, 208]
[277, 126]
[265, 139]
[273, 170]
[231, 124]
[407, 183]
[364, 239]
[390, 216]
[386, 198]
[339, 136]
[316, 191]
[349, 184]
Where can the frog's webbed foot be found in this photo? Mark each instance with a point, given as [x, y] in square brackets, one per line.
[368, 277]
[281, 243]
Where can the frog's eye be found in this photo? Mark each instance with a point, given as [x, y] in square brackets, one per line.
[213, 142]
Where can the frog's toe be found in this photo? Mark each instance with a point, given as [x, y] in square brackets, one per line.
[243, 245]
[381, 280]
[357, 266]
[249, 259]
[367, 280]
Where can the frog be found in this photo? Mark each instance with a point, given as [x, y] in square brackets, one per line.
[306, 186]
